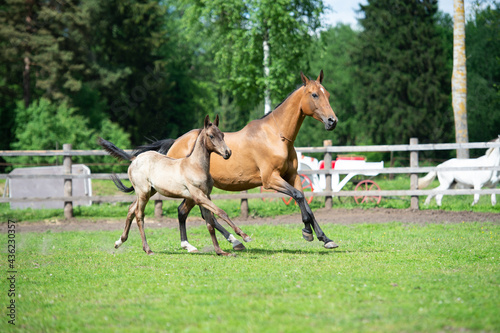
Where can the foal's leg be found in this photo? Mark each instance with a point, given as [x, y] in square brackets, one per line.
[183, 211]
[217, 248]
[204, 201]
[237, 245]
[128, 222]
[276, 182]
[142, 200]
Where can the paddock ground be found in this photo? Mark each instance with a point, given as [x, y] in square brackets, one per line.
[323, 216]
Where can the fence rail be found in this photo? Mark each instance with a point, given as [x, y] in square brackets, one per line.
[413, 148]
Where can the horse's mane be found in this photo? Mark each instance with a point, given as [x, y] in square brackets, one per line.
[283, 101]
[490, 150]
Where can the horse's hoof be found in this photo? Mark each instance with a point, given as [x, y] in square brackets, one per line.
[239, 247]
[247, 239]
[150, 253]
[193, 251]
[118, 243]
[307, 236]
[330, 245]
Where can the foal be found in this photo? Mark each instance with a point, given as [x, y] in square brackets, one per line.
[187, 178]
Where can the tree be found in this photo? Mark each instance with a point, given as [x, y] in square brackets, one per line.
[332, 53]
[45, 125]
[459, 78]
[403, 82]
[238, 32]
[483, 73]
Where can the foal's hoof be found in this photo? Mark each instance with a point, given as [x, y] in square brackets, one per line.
[150, 253]
[239, 247]
[307, 236]
[193, 251]
[118, 243]
[330, 245]
[225, 254]
[247, 239]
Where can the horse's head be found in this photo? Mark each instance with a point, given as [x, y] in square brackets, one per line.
[214, 138]
[314, 102]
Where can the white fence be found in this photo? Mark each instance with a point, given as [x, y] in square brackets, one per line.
[413, 171]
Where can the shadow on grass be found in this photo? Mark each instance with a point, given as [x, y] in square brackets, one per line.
[271, 252]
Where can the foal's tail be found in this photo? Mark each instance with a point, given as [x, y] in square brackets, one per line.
[161, 147]
[120, 185]
[427, 180]
[114, 150]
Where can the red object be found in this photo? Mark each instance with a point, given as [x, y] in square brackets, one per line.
[322, 164]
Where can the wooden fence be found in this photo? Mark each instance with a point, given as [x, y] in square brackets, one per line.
[413, 148]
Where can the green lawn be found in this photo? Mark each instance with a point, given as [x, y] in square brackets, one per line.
[258, 207]
[383, 278]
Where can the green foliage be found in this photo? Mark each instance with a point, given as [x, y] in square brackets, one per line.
[403, 80]
[46, 126]
[331, 52]
[483, 70]
[391, 277]
[231, 33]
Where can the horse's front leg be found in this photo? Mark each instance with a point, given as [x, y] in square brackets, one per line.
[207, 215]
[276, 182]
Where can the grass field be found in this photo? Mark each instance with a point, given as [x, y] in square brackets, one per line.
[258, 208]
[383, 278]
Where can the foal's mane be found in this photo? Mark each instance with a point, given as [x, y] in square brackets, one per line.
[201, 130]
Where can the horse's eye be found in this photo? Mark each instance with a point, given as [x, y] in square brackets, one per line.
[314, 95]
[211, 137]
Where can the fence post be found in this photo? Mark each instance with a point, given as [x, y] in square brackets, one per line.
[414, 176]
[68, 183]
[244, 207]
[328, 175]
[158, 208]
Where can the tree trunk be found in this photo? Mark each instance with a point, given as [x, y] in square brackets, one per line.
[459, 78]
[267, 92]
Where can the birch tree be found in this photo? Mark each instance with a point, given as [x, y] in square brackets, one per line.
[459, 78]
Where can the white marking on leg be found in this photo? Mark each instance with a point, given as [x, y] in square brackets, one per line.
[231, 239]
[190, 248]
[118, 243]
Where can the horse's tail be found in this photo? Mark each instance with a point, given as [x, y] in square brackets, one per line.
[120, 185]
[114, 150]
[161, 147]
[427, 180]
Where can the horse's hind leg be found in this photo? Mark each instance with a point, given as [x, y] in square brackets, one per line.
[182, 213]
[128, 222]
[237, 245]
[142, 200]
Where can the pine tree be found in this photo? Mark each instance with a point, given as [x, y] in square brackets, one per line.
[403, 79]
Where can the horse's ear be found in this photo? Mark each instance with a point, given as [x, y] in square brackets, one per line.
[304, 78]
[216, 122]
[320, 77]
[207, 121]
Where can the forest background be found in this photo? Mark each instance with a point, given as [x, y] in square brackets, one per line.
[133, 70]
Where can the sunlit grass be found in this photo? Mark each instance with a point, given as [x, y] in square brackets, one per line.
[383, 278]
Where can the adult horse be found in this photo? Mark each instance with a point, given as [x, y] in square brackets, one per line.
[475, 179]
[263, 154]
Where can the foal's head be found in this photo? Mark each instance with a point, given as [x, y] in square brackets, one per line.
[314, 102]
[214, 138]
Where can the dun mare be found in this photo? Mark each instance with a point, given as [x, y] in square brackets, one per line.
[476, 179]
[263, 154]
[187, 178]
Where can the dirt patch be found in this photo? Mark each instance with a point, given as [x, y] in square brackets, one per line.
[323, 216]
